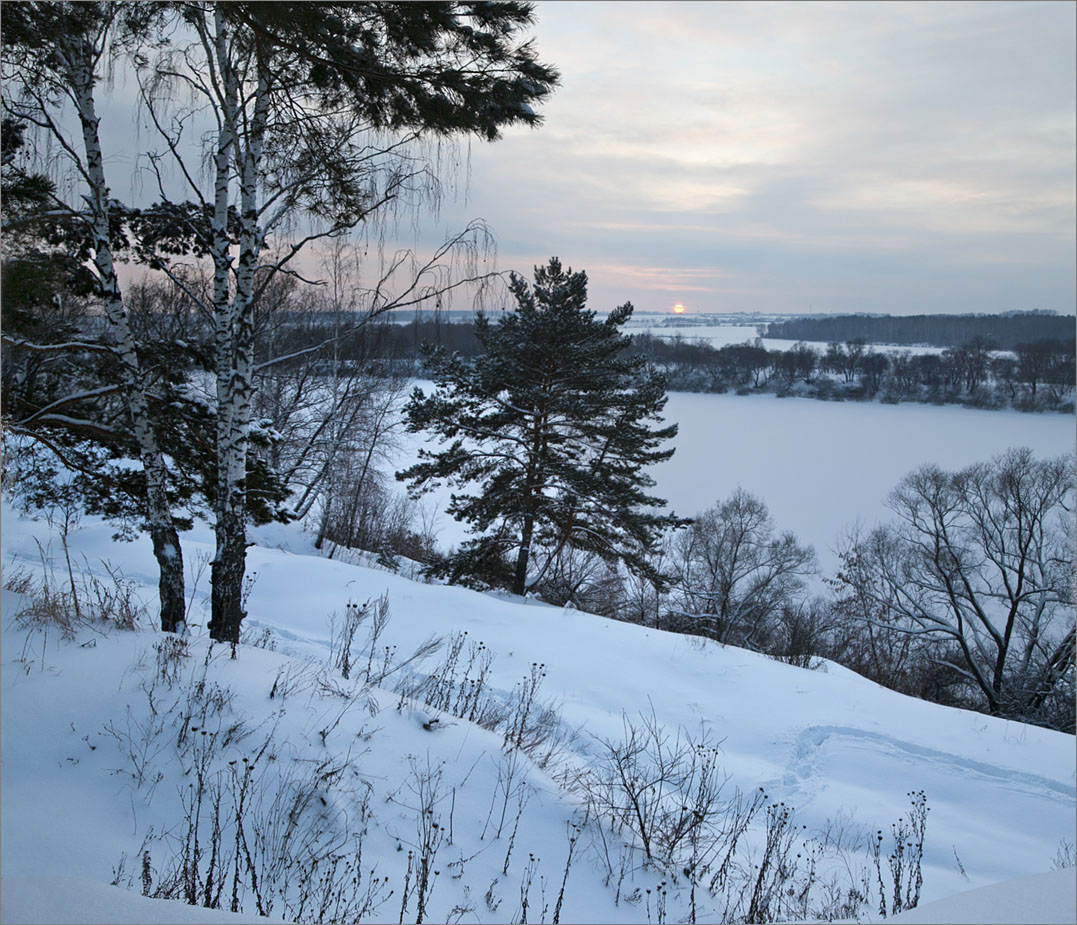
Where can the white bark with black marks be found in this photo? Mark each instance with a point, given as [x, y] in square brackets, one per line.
[81, 57]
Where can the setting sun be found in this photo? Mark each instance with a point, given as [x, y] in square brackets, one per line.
[678, 309]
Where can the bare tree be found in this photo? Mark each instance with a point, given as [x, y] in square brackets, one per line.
[734, 574]
[971, 362]
[334, 409]
[845, 359]
[981, 561]
[873, 367]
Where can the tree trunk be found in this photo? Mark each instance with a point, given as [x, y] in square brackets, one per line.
[167, 551]
[166, 545]
[226, 577]
[519, 581]
[234, 324]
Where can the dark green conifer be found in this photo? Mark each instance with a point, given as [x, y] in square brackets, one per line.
[554, 425]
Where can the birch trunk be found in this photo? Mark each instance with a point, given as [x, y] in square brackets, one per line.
[235, 338]
[225, 601]
[159, 523]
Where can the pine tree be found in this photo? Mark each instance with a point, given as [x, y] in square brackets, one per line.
[553, 424]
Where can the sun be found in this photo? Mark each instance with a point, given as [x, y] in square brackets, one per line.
[679, 309]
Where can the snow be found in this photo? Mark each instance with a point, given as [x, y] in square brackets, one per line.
[58, 899]
[821, 467]
[829, 743]
[1050, 897]
[724, 335]
[1044, 898]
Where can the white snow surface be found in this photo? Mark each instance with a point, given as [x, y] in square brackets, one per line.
[57, 899]
[1043, 898]
[821, 467]
[1050, 897]
[827, 742]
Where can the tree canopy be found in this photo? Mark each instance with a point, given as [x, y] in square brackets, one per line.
[981, 560]
[286, 124]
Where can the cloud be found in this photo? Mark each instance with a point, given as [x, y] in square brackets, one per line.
[662, 278]
[901, 154]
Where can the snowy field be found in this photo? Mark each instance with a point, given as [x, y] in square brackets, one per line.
[722, 335]
[821, 467]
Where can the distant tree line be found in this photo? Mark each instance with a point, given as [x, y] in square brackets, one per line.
[1006, 330]
[1034, 376]
[396, 344]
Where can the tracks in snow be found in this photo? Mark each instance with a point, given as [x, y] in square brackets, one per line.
[808, 755]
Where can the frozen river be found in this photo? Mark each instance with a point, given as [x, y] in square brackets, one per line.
[820, 466]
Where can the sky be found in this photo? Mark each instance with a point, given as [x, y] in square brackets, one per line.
[775, 157]
[796, 157]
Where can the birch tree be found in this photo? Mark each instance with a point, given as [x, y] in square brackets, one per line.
[54, 57]
[316, 115]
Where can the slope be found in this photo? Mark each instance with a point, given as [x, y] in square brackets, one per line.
[100, 760]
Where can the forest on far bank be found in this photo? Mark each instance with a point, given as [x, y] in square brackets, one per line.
[1005, 330]
[1033, 375]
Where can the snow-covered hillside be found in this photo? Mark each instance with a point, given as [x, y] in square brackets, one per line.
[98, 730]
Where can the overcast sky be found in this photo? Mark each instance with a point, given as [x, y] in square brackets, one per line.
[785, 157]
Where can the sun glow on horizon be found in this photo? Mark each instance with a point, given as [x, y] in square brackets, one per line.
[679, 309]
